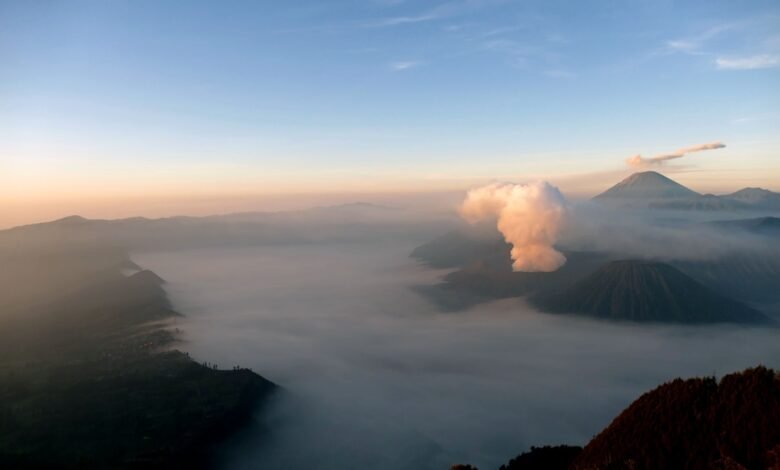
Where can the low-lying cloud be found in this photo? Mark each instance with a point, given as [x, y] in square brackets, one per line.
[638, 161]
[530, 217]
[375, 377]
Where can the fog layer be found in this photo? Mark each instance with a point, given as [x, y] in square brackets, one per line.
[376, 377]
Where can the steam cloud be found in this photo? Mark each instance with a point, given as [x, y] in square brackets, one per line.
[530, 218]
[638, 161]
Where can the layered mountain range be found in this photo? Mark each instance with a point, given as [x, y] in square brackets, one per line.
[654, 190]
[728, 286]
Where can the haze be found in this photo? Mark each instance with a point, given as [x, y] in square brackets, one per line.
[379, 378]
[389, 234]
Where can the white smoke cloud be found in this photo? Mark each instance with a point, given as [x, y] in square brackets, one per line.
[530, 217]
[638, 161]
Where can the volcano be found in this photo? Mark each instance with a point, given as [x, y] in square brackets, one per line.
[648, 185]
[647, 291]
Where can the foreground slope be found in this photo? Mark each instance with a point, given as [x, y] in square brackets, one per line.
[695, 423]
[698, 423]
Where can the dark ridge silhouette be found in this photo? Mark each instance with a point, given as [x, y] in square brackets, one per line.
[695, 423]
[457, 249]
[87, 377]
[647, 185]
[646, 291]
[544, 458]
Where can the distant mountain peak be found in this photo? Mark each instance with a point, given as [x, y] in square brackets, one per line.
[756, 196]
[750, 190]
[71, 220]
[648, 185]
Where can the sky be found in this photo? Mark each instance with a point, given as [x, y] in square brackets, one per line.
[149, 107]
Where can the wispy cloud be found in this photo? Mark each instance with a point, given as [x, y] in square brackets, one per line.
[400, 20]
[693, 44]
[761, 61]
[638, 161]
[441, 11]
[400, 66]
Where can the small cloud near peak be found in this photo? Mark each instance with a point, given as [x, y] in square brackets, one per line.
[638, 161]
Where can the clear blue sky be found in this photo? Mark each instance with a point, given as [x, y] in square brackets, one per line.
[251, 93]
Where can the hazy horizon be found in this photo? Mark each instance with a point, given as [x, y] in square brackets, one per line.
[389, 234]
[113, 109]
[15, 213]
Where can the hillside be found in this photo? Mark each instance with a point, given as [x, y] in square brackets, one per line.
[646, 291]
[88, 378]
[695, 423]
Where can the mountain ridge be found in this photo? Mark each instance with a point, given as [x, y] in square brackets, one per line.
[656, 191]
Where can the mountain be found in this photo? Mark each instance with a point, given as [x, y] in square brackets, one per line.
[695, 423]
[646, 291]
[460, 248]
[648, 185]
[654, 190]
[757, 198]
[491, 277]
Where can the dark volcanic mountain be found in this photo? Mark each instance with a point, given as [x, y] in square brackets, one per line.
[647, 185]
[695, 423]
[460, 248]
[646, 291]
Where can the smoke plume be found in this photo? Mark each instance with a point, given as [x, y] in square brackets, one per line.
[530, 218]
[638, 161]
